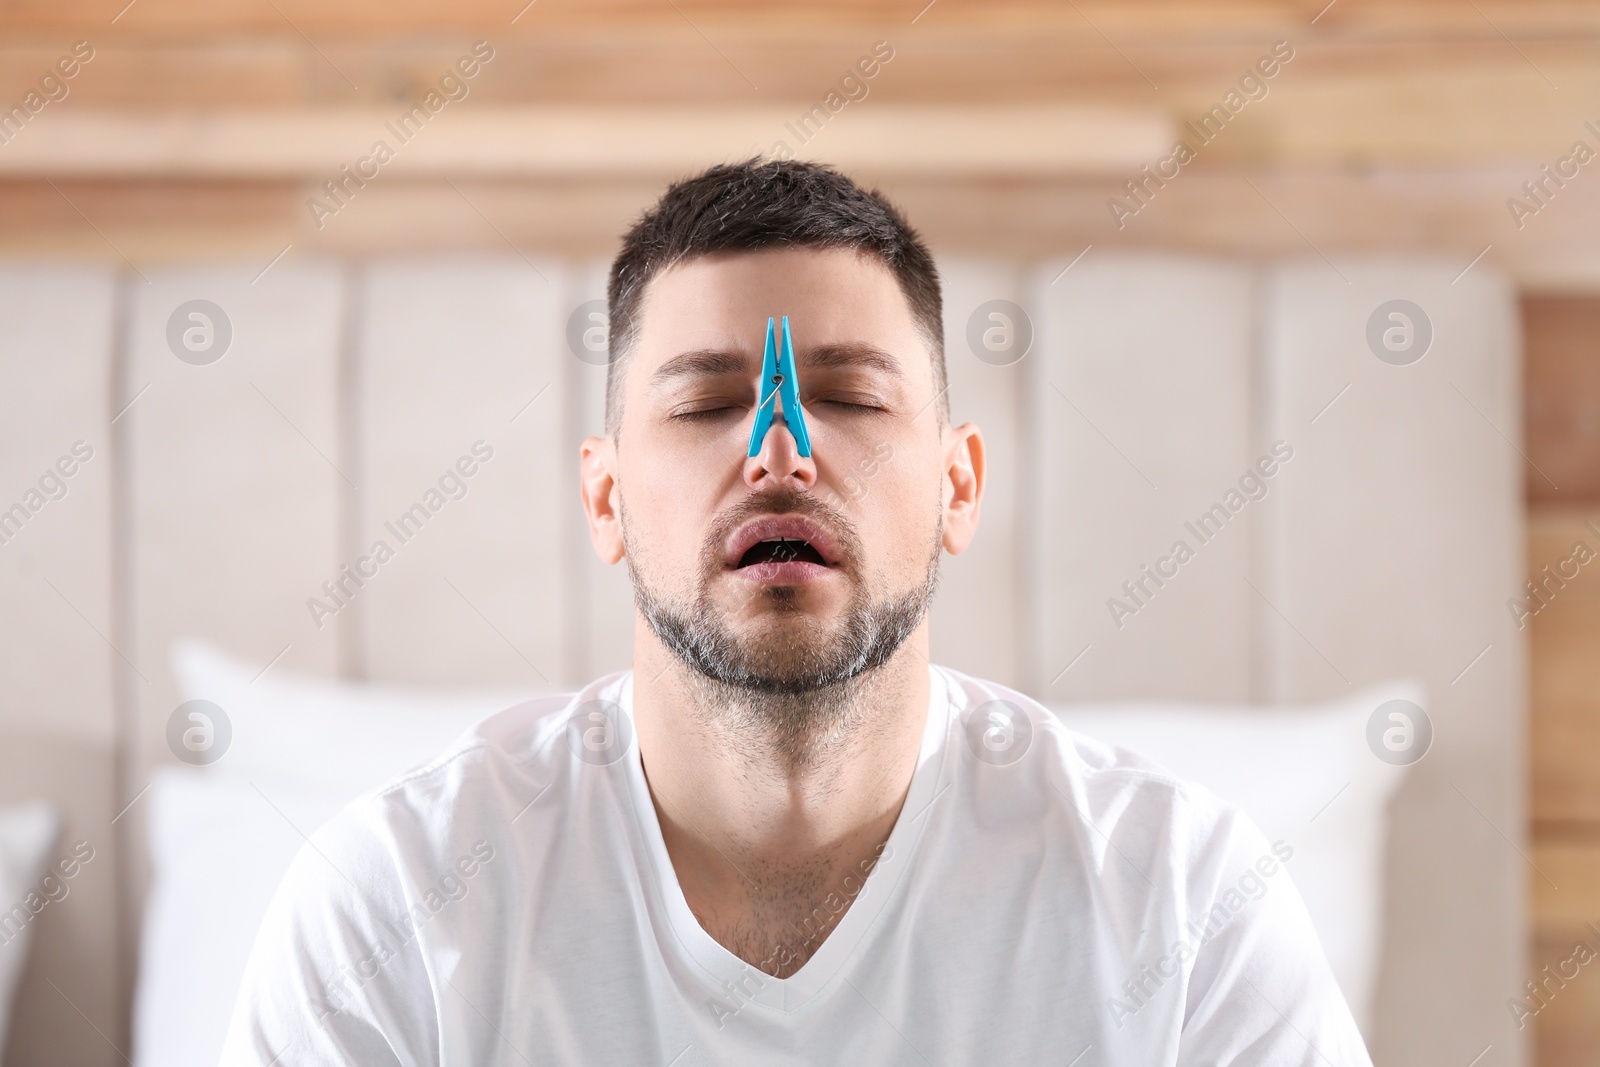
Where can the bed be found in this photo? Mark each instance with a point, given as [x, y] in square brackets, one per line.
[224, 492]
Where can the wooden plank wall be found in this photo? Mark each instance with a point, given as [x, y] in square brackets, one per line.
[1563, 440]
[1399, 125]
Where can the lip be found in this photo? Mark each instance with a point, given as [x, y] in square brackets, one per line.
[794, 528]
[775, 572]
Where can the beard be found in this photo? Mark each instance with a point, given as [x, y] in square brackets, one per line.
[788, 674]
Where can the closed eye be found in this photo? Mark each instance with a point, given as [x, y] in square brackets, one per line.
[705, 413]
[850, 404]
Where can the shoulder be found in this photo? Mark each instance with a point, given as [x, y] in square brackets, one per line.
[443, 811]
[1180, 880]
[1108, 792]
[1002, 726]
[521, 738]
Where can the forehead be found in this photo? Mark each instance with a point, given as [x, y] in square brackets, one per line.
[722, 301]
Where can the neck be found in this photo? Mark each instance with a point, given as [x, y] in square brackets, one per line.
[752, 788]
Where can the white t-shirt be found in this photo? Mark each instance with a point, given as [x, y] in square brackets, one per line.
[1042, 899]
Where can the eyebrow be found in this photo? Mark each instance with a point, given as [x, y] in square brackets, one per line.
[852, 354]
[712, 362]
[701, 363]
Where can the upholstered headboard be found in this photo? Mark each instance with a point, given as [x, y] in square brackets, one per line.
[1135, 395]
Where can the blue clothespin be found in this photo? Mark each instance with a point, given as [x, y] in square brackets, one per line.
[779, 381]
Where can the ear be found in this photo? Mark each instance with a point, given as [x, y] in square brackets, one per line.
[963, 485]
[597, 482]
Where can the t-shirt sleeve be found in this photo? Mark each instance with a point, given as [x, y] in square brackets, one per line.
[1260, 992]
[335, 976]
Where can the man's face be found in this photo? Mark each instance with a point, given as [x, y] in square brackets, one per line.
[780, 572]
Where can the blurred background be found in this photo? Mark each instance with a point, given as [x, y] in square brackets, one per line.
[274, 275]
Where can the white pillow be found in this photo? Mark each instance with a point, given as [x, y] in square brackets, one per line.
[218, 850]
[27, 834]
[1305, 775]
[222, 835]
[332, 735]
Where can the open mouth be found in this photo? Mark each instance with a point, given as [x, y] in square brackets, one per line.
[780, 550]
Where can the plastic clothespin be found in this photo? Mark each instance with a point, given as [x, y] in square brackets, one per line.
[779, 382]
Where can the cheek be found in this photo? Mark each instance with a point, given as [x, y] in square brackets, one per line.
[897, 516]
[692, 459]
[670, 497]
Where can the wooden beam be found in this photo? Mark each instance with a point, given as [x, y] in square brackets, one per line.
[722, 19]
[1562, 421]
[1029, 140]
[1242, 211]
[1338, 102]
[1564, 883]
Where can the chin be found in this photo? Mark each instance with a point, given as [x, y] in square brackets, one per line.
[786, 619]
[785, 606]
[787, 644]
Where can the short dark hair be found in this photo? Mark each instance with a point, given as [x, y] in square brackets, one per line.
[757, 204]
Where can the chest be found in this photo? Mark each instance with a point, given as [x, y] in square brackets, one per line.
[776, 923]
[945, 987]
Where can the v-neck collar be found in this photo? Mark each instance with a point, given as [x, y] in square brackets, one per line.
[721, 969]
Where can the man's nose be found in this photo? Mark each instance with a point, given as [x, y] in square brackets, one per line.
[778, 460]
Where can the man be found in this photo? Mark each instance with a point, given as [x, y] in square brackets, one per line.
[784, 836]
